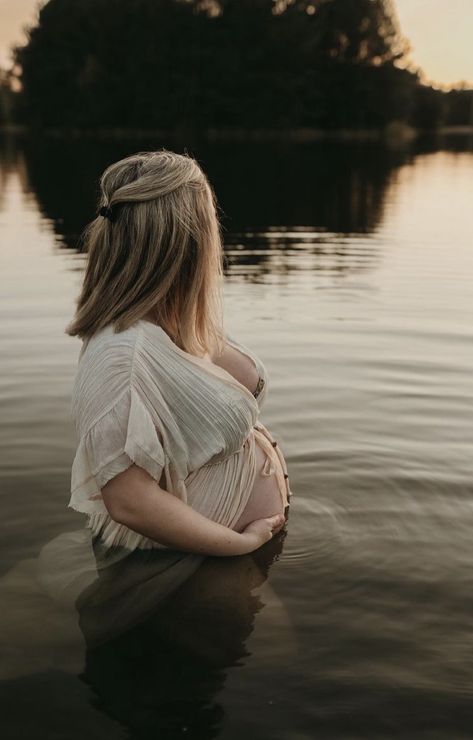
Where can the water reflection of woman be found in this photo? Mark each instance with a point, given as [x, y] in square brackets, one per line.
[164, 675]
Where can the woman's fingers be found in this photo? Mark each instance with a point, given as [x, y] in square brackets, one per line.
[276, 522]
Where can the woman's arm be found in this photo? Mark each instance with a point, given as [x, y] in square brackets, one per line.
[134, 499]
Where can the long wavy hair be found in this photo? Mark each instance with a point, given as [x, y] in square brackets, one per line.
[156, 253]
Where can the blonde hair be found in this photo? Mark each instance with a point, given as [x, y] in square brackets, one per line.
[159, 253]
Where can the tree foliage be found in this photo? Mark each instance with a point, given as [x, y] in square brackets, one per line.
[216, 64]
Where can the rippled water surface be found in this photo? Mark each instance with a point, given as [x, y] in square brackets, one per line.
[349, 270]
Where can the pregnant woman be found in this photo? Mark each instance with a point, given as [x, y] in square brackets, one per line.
[172, 462]
[166, 404]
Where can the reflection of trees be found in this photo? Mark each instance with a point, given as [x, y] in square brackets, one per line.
[289, 198]
[12, 163]
[64, 176]
[448, 142]
[334, 186]
[279, 253]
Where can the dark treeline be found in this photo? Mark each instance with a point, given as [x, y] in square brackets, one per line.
[245, 64]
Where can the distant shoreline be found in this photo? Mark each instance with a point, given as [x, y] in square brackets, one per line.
[396, 131]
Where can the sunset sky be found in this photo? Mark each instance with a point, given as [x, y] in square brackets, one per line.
[440, 34]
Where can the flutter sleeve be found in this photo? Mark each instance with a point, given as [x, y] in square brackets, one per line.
[123, 434]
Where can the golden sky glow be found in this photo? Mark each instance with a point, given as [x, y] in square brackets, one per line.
[14, 14]
[440, 33]
[441, 37]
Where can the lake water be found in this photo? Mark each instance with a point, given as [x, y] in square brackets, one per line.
[349, 270]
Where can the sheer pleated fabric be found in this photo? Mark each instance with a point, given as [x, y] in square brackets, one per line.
[138, 398]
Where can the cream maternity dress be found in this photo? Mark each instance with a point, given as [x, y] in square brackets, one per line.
[139, 398]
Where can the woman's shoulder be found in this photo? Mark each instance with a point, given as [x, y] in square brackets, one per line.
[107, 354]
[108, 341]
[104, 369]
[110, 363]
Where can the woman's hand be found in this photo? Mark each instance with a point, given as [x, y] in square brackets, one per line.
[258, 532]
[133, 498]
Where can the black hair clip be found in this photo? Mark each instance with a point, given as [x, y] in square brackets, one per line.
[107, 212]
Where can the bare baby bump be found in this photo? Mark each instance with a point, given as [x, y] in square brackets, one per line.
[265, 498]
